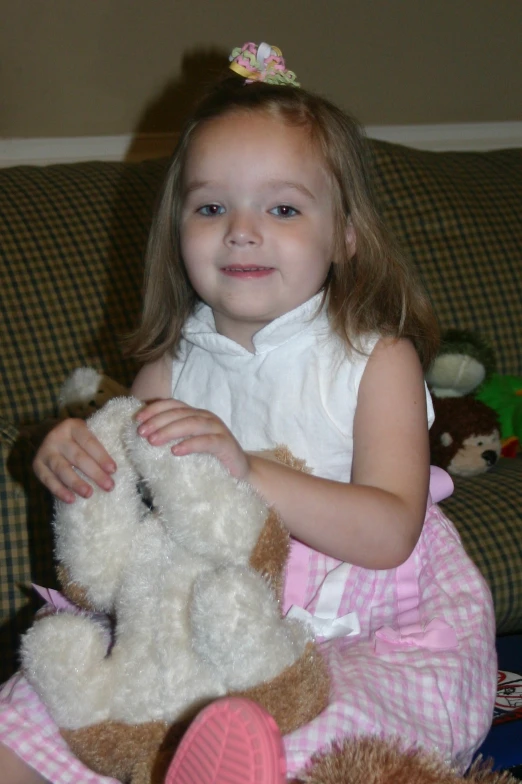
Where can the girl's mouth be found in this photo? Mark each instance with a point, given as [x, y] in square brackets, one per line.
[247, 272]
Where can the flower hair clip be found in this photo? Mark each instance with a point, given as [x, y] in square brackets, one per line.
[263, 63]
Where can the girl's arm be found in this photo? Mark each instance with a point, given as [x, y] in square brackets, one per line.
[373, 522]
[376, 520]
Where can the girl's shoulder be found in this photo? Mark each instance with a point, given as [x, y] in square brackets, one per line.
[154, 380]
[391, 360]
[395, 362]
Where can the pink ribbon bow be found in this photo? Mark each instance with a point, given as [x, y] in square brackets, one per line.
[436, 635]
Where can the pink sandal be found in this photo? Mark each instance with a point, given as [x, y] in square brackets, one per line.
[232, 741]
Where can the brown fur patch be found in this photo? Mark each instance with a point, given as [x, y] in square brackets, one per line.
[113, 748]
[371, 760]
[460, 417]
[74, 592]
[270, 554]
[296, 695]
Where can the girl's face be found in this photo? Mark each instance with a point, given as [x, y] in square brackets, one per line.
[257, 222]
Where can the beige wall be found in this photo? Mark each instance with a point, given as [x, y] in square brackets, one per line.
[103, 67]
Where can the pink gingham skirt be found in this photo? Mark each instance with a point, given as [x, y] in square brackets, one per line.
[28, 730]
[439, 699]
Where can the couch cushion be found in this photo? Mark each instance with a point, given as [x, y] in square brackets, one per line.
[71, 245]
[459, 215]
[488, 513]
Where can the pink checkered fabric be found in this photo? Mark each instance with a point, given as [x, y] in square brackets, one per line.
[28, 730]
[441, 700]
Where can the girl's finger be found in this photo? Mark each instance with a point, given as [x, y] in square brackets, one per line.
[163, 418]
[158, 407]
[55, 486]
[185, 427]
[172, 417]
[225, 450]
[95, 450]
[63, 468]
[200, 444]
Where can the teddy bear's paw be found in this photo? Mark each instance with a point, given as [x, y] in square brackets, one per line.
[63, 656]
[110, 423]
[222, 517]
[203, 507]
[238, 630]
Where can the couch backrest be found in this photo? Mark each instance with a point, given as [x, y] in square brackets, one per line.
[72, 239]
[459, 215]
[71, 248]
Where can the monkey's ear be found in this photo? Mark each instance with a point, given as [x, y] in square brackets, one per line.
[446, 439]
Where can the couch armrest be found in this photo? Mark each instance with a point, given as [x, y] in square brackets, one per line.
[26, 547]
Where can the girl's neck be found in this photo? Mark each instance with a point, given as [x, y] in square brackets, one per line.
[243, 332]
[240, 332]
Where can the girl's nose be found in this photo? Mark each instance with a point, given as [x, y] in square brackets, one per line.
[243, 229]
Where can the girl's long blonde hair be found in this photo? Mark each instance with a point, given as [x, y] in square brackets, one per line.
[376, 290]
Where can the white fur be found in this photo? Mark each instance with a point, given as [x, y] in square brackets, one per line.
[193, 619]
[80, 386]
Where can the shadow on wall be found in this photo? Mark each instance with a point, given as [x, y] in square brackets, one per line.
[135, 189]
[165, 115]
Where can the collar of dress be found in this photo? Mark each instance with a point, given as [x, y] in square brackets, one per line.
[200, 329]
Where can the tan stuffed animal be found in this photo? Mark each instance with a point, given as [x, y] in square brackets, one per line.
[193, 585]
[85, 391]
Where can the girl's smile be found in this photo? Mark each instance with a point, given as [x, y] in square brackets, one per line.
[247, 272]
[257, 220]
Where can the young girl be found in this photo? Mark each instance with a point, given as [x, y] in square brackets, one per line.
[278, 310]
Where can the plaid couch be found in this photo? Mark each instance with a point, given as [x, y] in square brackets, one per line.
[71, 246]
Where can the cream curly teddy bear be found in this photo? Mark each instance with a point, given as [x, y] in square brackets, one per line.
[193, 619]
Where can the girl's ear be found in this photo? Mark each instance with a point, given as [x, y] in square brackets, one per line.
[351, 240]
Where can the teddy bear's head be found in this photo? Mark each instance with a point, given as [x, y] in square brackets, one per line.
[465, 437]
[85, 391]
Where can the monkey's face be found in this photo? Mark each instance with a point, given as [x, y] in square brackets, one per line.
[476, 454]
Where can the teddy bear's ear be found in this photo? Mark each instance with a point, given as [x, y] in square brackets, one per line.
[85, 391]
[446, 439]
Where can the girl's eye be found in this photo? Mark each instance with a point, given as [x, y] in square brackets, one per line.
[211, 209]
[284, 211]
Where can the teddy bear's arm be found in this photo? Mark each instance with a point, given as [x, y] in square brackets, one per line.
[237, 627]
[93, 535]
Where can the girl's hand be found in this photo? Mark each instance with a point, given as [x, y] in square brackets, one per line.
[69, 444]
[201, 431]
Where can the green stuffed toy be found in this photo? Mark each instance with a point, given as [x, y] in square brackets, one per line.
[463, 363]
[504, 395]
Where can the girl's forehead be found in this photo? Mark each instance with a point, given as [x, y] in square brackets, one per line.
[270, 126]
[257, 140]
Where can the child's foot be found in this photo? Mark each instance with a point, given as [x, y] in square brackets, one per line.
[232, 741]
